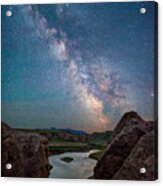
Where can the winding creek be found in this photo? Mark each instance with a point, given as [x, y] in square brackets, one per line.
[80, 167]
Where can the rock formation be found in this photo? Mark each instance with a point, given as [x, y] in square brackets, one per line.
[26, 152]
[131, 147]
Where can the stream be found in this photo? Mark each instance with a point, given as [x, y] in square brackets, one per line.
[80, 167]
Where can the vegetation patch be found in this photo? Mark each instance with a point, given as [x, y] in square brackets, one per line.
[67, 159]
[96, 155]
[61, 149]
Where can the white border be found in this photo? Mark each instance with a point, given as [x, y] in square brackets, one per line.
[41, 182]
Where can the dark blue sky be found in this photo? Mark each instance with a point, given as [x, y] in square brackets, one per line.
[77, 65]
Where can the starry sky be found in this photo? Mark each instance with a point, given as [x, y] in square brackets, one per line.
[79, 66]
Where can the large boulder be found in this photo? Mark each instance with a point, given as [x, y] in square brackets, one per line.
[26, 152]
[131, 147]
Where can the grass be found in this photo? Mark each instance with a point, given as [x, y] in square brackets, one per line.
[62, 149]
[62, 142]
[100, 140]
[56, 145]
[67, 159]
[60, 145]
[97, 155]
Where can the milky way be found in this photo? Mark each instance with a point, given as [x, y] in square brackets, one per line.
[76, 65]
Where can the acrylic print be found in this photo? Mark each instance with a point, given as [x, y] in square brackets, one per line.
[79, 91]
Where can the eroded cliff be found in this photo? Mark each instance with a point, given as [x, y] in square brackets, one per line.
[26, 152]
[131, 147]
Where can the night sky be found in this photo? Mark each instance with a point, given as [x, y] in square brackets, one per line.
[79, 66]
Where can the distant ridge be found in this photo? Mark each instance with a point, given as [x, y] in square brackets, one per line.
[72, 131]
[69, 130]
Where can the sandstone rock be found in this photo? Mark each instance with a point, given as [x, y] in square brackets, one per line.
[26, 152]
[141, 156]
[130, 148]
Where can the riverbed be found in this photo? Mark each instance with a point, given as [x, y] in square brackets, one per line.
[81, 167]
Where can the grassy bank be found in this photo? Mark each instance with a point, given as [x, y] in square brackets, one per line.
[61, 149]
[97, 155]
[57, 146]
